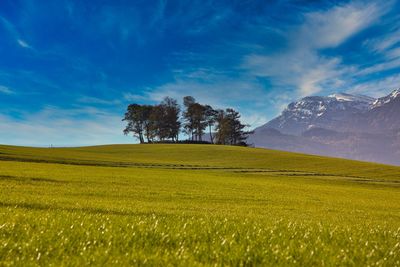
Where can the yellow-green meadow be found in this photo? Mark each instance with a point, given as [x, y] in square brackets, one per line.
[195, 205]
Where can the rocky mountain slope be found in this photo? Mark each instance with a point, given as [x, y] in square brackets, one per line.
[339, 125]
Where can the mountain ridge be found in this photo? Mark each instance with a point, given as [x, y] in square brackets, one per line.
[340, 125]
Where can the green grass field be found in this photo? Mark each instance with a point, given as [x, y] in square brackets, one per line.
[194, 205]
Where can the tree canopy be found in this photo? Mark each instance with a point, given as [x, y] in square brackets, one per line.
[165, 121]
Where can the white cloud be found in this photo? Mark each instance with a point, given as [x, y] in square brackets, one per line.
[23, 44]
[377, 88]
[387, 65]
[211, 86]
[387, 46]
[394, 53]
[301, 66]
[383, 43]
[135, 97]
[330, 28]
[95, 100]
[216, 88]
[63, 127]
[14, 33]
[6, 90]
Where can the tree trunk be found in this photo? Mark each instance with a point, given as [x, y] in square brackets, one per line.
[141, 138]
[211, 137]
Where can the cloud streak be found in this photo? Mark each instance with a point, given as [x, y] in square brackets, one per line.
[23, 43]
[63, 127]
[6, 90]
[14, 33]
[302, 66]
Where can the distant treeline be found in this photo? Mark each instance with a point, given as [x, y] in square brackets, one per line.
[165, 121]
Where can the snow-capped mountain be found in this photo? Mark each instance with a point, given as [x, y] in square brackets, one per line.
[340, 125]
[353, 98]
[385, 113]
[386, 99]
[318, 111]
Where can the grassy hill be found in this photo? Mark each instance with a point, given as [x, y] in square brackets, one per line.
[194, 205]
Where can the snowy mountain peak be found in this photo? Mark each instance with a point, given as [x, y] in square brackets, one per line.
[315, 106]
[341, 125]
[395, 93]
[320, 111]
[353, 98]
[386, 99]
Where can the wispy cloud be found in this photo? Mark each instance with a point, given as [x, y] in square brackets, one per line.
[302, 66]
[215, 87]
[98, 101]
[327, 29]
[388, 47]
[14, 33]
[6, 90]
[23, 43]
[135, 97]
[376, 68]
[385, 42]
[8, 26]
[63, 127]
[379, 87]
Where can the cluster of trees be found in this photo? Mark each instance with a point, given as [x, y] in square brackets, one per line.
[163, 122]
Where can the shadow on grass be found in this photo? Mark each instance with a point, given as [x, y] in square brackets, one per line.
[31, 179]
[87, 210]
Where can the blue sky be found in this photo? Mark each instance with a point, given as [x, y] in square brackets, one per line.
[68, 68]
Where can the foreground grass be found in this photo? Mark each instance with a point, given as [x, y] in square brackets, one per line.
[195, 205]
